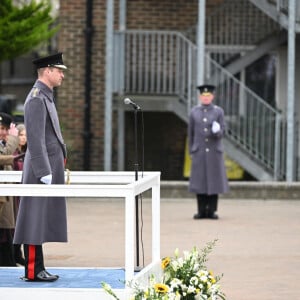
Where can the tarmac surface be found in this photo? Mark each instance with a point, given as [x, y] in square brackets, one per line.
[258, 247]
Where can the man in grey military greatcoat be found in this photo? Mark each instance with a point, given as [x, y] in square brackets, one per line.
[42, 219]
[205, 131]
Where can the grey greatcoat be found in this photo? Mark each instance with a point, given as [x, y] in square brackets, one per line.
[42, 219]
[208, 175]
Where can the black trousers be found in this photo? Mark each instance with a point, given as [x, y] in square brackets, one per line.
[34, 260]
[207, 204]
[7, 258]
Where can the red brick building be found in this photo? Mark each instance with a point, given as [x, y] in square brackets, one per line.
[246, 47]
[165, 133]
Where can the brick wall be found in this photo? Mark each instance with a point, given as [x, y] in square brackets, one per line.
[164, 144]
[72, 95]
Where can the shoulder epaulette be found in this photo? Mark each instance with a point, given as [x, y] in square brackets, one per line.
[35, 92]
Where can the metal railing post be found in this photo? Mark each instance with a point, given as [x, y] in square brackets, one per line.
[277, 146]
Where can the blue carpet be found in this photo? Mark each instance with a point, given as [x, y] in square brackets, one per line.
[68, 278]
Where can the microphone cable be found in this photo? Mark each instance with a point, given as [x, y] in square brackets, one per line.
[140, 196]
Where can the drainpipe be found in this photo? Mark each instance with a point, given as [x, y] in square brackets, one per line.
[108, 85]
[201, 42]
[87, 135]
[290, 151]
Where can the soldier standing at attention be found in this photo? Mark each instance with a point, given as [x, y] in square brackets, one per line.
[42, 219]
[205, 133]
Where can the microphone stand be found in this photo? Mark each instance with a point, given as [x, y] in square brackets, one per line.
[136, 169]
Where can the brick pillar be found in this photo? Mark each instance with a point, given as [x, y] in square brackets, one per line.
[72, 94]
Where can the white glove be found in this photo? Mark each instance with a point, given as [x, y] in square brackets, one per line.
[215, 127]
[46, 179]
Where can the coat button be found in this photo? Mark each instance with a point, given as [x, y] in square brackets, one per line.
[207, 150]
[205, 129]
[206, 140]
[204, 120]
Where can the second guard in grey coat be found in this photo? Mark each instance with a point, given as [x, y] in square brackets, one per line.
[208, 175]
[205, 132]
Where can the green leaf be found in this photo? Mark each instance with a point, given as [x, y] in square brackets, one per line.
[24, 27]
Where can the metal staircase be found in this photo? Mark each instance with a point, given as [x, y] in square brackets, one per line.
[278, 11]
[158, 69]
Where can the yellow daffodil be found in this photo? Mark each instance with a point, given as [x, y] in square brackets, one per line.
[211, 277]
[165, 262]
[161, 288]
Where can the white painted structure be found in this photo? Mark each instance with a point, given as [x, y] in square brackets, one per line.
[99, 185]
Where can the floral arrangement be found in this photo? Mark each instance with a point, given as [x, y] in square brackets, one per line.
[185, 278]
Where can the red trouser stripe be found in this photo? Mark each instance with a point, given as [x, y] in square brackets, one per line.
[31, 261]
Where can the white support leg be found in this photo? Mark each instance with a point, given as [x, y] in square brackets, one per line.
[129, 236]
[156, 221]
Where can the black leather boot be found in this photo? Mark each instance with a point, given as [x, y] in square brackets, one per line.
[201, 207]
[212, 207]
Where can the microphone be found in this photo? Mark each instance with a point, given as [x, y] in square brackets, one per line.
[134, 105]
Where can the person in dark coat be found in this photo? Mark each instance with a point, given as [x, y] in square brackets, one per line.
[205, 131]
[8, 144]
[42, 219]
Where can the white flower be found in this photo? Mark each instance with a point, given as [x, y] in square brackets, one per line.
[191, 290]
[176, 252]
[175, 265]
[198, 297]
[178, 297]
[186, 255]
[184, 287]
[175, 283]
[202, 273]
[214, 288]
[171, 296]
[196, 267]
[194, 280]
[180, 262]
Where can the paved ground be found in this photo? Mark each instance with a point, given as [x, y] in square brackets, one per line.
[258, 248]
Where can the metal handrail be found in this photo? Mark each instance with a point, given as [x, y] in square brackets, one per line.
[156, 62]
[252, 124]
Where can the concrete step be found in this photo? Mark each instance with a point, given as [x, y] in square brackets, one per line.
[238, 190]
